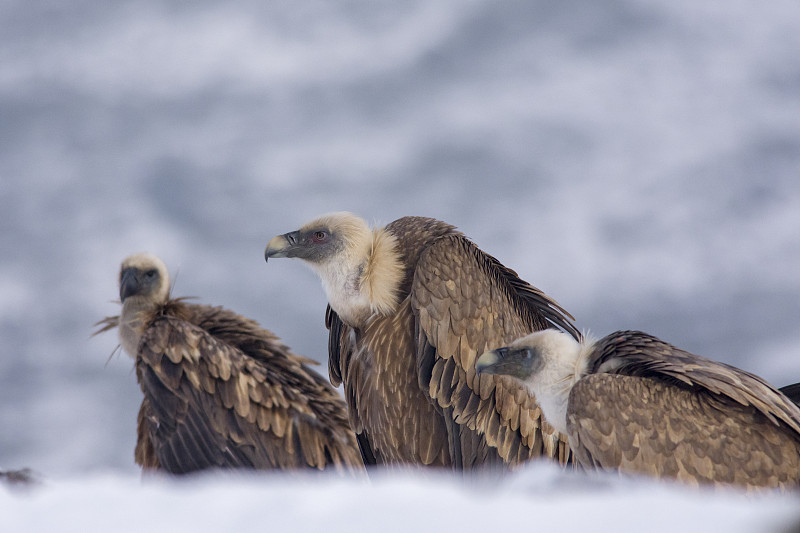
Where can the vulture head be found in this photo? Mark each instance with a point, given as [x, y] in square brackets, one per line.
[143, 286]
[144, 277]
[359, 267]
[548, 362]
[331, 239]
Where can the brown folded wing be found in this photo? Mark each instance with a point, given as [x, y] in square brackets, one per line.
[663, 429]
[395, 422]
[207, 404]
[465, 302]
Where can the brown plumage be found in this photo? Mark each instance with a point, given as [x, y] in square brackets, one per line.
[219, 390]
[410, 307]
[633, 403]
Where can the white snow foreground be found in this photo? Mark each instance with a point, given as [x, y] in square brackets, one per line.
[539, 497]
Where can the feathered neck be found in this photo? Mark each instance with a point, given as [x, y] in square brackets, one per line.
[364, 280]
[137, 312]
[565, 364]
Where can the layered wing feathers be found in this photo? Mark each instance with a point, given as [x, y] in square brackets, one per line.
[639, 354]
[210, 405]
[465, 302]
[395, 422]
[654, 427]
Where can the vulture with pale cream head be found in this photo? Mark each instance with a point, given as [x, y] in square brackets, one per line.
[219, 390]
[411, 306]
[632, 403]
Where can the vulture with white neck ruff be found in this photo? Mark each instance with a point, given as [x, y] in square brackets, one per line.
[411, 306]
[219, 390]
[632, 403]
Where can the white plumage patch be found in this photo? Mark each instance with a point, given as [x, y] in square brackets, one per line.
[564, 363]
[361, 278]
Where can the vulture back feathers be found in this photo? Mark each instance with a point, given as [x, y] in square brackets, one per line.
[633, 403]
[219, 390]
[408, 367]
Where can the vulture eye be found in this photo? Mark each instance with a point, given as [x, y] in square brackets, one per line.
[151, 274]
[319, 236]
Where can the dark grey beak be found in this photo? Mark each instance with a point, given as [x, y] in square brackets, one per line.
[129, 283]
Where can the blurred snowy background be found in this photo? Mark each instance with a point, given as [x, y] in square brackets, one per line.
[638, 161]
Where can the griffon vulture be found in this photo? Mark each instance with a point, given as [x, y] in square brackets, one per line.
[633, 403]
[219, 390]
[411, 305]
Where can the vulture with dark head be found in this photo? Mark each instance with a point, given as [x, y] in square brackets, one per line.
[632, 403]
[411, 306]
[219, 390]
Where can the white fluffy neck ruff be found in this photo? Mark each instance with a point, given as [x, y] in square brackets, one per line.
[136, 309]
[564, 364]
[132, 323]
[363, 278]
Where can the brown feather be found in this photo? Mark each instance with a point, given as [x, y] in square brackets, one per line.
[687, 439]
[409, 377]
[649, 407]
[220, 391]
[496, 308]
[641, 354]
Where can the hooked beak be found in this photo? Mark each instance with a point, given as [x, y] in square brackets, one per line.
[129, 283]
[281, 245]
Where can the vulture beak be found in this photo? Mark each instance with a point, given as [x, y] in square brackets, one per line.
[281, 245]
[517, 362]
[129, 283]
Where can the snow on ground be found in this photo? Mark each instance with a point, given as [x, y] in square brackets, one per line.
[539, 497]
